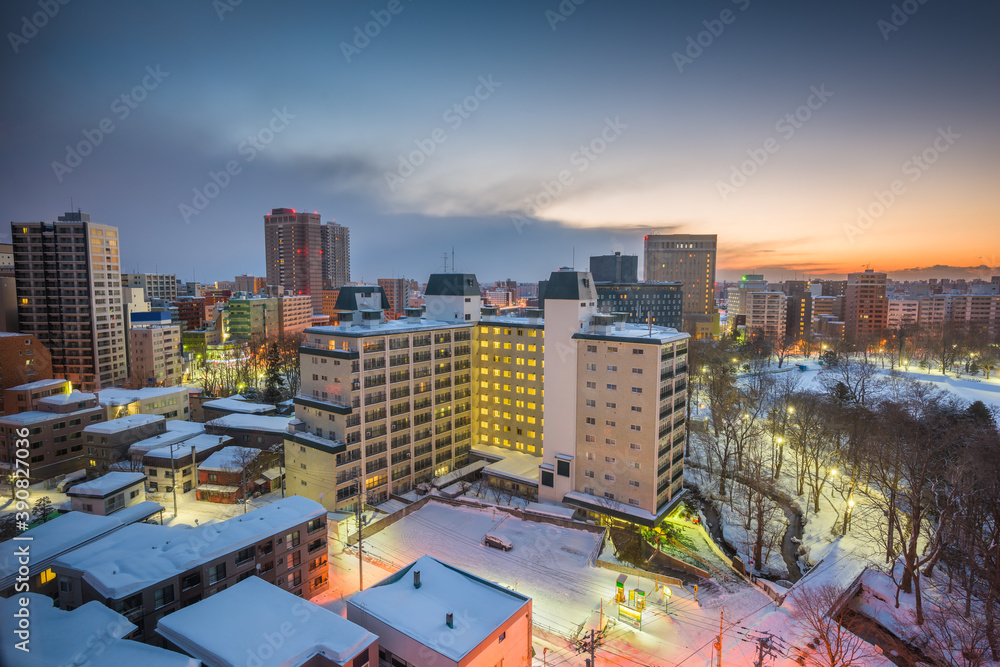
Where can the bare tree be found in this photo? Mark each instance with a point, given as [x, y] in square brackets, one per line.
[836, 646]
[783, 346]
[246, 462]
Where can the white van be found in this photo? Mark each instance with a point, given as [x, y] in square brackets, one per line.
[498, 542]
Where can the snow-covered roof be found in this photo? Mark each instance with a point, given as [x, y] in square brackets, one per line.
[54, 538]
[114, 396]
[179, 451]
[221, 488]
[227, 458]
[265, 423]
[454, 475]
[160, 440]
[142, 554]
[106, 484]
[209, 630]
[513, 464]
[587, 499]
[178, 426]
[31, 417]
[548, 509]
[122, 424]
[420, 613]
[60, 637]
[235, 405]
[66, 399]
[38, 384]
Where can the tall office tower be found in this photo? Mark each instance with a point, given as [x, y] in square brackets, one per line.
[154, 285]
[294, 255]
[69, 293]
[336, 243]
[645, 303]
[687, 259]
[397, 291]
[616, 268]
[867, 308]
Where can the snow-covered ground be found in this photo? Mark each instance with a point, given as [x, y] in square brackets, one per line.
[552, 565]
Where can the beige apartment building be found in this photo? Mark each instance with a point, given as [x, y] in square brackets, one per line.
[766, 312]
[402, 402]
[687, 259]
[155, 353]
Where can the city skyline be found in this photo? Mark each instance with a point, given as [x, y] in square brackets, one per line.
[820, 110]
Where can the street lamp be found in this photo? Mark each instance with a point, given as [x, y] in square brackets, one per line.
[847, 515]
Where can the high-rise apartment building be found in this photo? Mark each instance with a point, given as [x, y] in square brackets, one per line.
[397, 291]
[293, 252]
[69, 293]
[155, 355]
[616, 268]
[688, 259]
[614, 442]
[766, 312]
[250, 284]
[154, 285]
[866, 306]
[336, 244]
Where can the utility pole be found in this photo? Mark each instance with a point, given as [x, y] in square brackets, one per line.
[718, 643]
[593, 647]
[358, 513]
[765, 649]
[588, 646]
[173, 479]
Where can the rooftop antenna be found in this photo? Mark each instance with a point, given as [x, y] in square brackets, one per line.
[573, 264]
[445, 261]
[453, 259]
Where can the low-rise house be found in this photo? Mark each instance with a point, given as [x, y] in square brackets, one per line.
[421, 616]
[251, 430]
[224, 475]
[109, 493]
[168, 402]
[91, 635]
[108, 442]
[146, 572]
[54, 431]
[220, 407]
[309, 634]
[180, 462]
[25, 397]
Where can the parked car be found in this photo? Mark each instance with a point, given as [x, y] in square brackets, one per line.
[498, 542]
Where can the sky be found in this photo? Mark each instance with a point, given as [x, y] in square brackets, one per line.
[815, 138]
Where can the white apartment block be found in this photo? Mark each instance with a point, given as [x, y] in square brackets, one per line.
[153, 285]
[902, 312]
[766, 311]
[295, 314]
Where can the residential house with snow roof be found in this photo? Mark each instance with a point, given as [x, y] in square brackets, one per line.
[54, 430]
[260, 431]
[220, 407]
[108, 442]
[180, 461]
[223, 476]
[91, 635]
[109, 493]
[168, 402]
[273, 629]
[25, 397]
[145, 571]
[433, 613]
